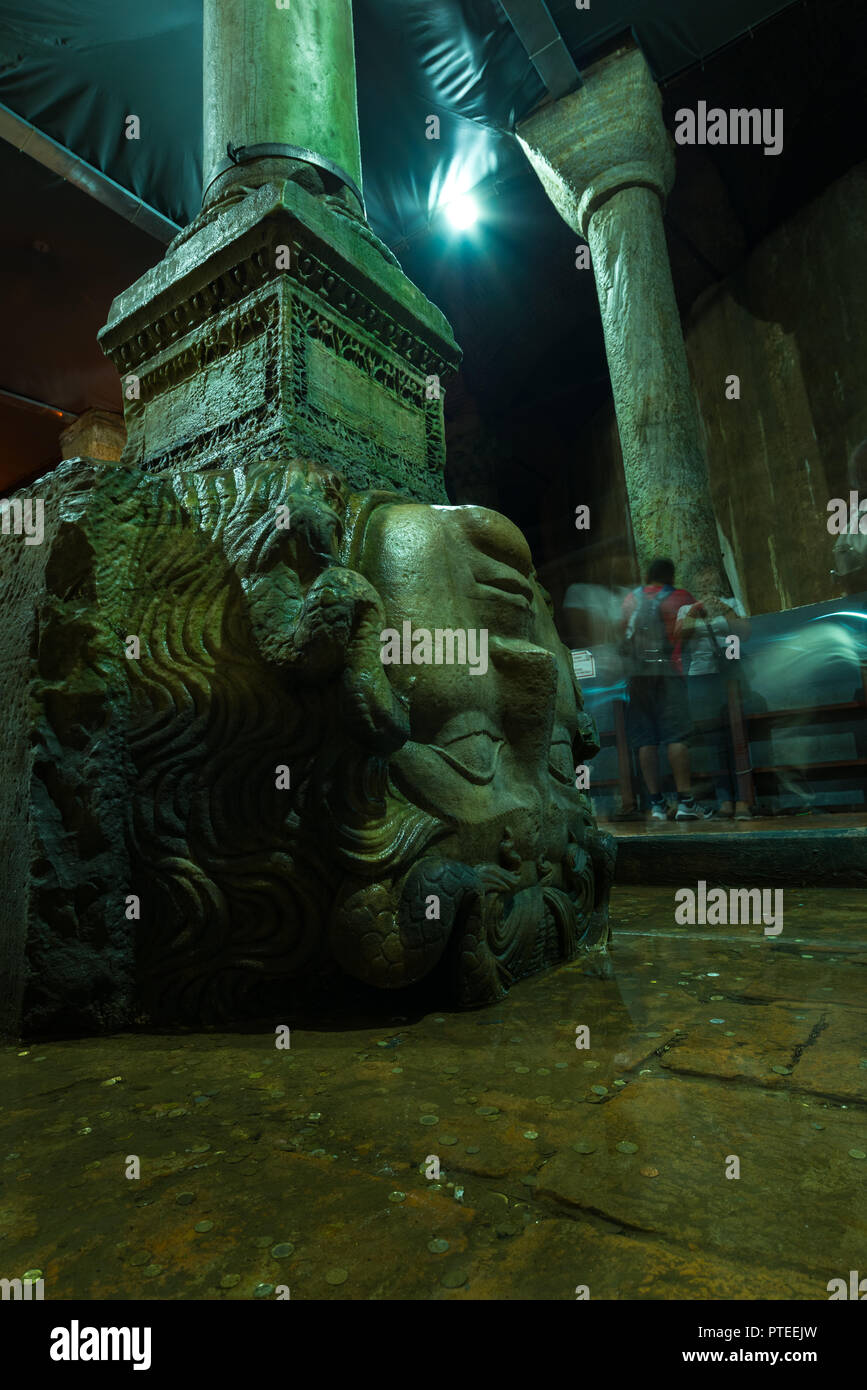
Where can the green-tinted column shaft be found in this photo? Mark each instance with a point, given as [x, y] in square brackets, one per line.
[280, 75]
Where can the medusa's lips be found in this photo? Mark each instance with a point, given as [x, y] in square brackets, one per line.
[505, 581]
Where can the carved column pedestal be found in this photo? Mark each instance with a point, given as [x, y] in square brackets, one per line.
[282, 326]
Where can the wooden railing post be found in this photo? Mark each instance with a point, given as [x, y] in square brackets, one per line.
[741, 745]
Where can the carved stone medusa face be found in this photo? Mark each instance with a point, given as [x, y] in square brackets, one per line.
[488, 745]
[491, 755]
[296, 806]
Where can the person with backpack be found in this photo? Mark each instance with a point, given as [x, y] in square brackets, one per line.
[658, 711]
[702, 629]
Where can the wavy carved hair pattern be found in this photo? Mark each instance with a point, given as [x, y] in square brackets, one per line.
[248, 629]
[210, 832]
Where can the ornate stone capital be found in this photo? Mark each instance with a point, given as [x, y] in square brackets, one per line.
[607, 136]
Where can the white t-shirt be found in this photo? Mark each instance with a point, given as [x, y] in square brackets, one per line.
[698, 649]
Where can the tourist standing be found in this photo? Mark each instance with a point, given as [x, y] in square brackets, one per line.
[658, 712]
[702, 628]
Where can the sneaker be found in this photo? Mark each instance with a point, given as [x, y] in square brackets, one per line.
[659, 810]
[688, 812]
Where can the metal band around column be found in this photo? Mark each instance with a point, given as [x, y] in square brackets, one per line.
[638, 174]
[243, 154]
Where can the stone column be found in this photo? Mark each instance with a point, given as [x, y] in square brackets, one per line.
[96, 434]
[278, 86]
[278, 325]
[606, 161]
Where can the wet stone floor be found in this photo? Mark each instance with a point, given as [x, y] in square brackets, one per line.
[312, 1169]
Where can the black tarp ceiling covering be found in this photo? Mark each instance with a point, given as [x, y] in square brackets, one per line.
[76, 68]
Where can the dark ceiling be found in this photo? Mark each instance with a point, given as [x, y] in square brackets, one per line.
[76, 70]
[527, 320]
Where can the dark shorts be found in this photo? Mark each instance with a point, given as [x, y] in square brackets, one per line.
[658, 711]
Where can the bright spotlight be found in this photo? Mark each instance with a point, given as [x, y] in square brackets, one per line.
[462, 212]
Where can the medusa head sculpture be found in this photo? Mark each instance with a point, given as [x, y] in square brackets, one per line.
[298, 807]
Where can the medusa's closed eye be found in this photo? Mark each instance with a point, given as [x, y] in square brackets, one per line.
[470, 744]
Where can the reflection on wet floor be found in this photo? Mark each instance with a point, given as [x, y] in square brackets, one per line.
[313, 1169]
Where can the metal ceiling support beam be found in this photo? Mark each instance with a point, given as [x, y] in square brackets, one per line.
[532, 22]
[42, 406]
[28, 140]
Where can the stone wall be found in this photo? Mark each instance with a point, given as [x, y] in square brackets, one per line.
[793, 325]
[66, 950]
